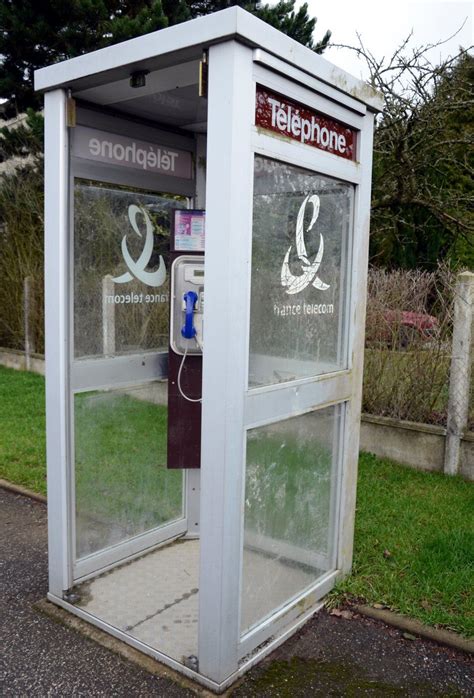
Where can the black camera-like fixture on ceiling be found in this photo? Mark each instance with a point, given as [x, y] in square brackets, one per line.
[138, 78]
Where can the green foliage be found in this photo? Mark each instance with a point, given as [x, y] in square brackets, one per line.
[35, 34]
[121, 477]
[423, 191]
[296, 24]
[57, 31]
[282, 499]
[414, 531]
[25, 139]
[21, 242]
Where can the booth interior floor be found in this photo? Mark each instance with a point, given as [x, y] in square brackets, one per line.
[155, 598]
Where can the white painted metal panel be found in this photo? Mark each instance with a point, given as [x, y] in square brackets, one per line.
[92, 374]
[293, 74]
[270, 404]
[170, 78]
[56, 338]
[358, 295]
[228, 240]
[203, 32]
[304, 156]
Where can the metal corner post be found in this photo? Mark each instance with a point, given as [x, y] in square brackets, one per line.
[228, 249]
[56, 337]
[358, 294]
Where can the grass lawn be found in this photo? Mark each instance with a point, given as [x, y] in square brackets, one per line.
[414, 546]
[123, 486]
[22, 429]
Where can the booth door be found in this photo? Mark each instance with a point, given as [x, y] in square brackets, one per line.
[298, 383]
[125, 500]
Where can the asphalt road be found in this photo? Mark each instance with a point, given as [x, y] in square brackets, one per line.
[331, 656]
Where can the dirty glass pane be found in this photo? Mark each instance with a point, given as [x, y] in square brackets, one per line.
[290, 489]
[121, 270]
[301, 228]
[122, 485]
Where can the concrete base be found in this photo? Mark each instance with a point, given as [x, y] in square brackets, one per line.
[421, 446]
[14, 358]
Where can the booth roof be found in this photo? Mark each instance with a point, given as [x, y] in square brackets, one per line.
[185, 42]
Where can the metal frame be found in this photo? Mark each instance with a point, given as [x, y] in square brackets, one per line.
[318, 392]
[228, 244]
[179, 43]
[200, 678]
[56, 338]
[242, 52]
[342, 387]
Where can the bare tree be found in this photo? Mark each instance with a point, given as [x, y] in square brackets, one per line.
[423, 192]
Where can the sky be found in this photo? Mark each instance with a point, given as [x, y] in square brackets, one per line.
[383, 25]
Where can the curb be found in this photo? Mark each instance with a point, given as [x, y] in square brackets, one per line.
[18, 489]
[442, 637]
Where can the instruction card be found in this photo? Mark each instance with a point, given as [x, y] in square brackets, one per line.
[189, 230]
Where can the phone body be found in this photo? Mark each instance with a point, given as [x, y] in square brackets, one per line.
[187, 305]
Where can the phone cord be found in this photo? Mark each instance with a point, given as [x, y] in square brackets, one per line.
[189, 399]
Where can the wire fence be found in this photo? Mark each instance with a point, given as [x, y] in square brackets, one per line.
[418, 354]
[418, 351]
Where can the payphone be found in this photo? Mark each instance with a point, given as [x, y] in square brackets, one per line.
[186, 339]
[187, 305]
[187, 308]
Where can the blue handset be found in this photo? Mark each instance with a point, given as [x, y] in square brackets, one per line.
[188, 330]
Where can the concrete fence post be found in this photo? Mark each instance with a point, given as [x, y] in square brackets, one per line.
[460, 372]
[28, 311]
[108, 316]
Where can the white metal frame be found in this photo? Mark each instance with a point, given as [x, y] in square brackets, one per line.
[242, 52]
[186, 43]
[228, 239]
[226, 357]
[56, 338]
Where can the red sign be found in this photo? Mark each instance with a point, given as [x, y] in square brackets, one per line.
[288, 118]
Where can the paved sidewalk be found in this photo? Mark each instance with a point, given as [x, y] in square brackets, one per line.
[331, 656]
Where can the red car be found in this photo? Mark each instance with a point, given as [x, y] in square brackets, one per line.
[400, 328]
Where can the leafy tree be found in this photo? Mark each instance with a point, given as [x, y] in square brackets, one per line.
[298, 24]
[27, 139]
[35, 33]
[282, 16]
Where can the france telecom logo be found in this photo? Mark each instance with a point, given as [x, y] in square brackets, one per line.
[137, 269]
[296, 284]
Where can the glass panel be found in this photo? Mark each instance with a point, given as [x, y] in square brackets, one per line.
[289, 510]
[123, 487]
[121, 263]
[301, 228]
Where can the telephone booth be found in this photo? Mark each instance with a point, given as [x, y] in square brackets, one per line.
[207, 221]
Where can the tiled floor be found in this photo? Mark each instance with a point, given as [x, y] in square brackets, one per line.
[154, 598]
